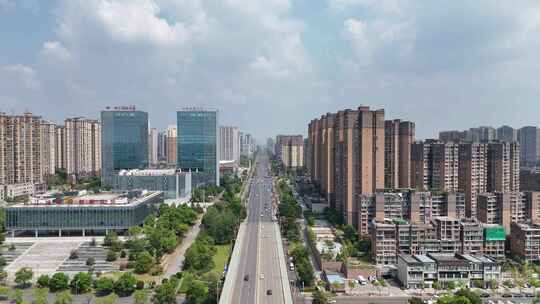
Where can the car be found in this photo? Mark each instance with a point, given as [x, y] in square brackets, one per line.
[484, 295]
[269, 292]
[529, 295]
[246, 277]
[506, 295]
[262, 276]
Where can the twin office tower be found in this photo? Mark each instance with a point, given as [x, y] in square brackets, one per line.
[124, 136]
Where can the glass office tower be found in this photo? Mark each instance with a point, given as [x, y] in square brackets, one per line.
[198, 145]
[124, 141]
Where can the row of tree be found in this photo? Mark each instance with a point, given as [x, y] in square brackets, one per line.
[289, 212]
[219, 227]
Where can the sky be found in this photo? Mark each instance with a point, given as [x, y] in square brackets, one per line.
[270, 66]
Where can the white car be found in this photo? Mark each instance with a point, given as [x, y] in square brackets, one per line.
[262, 276]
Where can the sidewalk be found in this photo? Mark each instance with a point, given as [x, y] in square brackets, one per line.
[173, 262]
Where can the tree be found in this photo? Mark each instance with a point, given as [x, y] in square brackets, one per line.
[58, 282]
[166, 292]
[43, 280]
[104, 285]
[3, 276]
[110, 239]
[2, 261]
[141, 296]
[199, 257]
[196, 292]
[64, 297]
[305, 272]
[110, 299]
[17, 296]
[144, 262]
[319, 297]
[40, 295]
[73, 255]
[472, 296]
[23, 276]
[111, 256]
[81, 282]
[91, 261]
[415, 300]
[125, 285]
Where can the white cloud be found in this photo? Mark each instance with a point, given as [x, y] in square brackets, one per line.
[139, 20]
[22, 75]
[55, 50]
[356, 32]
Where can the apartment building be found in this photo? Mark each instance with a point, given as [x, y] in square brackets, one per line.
[443, 235]
[472, 174]
[507, 133]
[418, 271]
[290, 151]
[398, 137]
[532, 206]
[503, 167]
[529, 141]
[48, 147]
[20, 156]
[525, 241]
[82, 146]
[435, 165]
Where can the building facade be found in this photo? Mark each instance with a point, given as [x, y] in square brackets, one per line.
[229, 143]
[171, 145]
[153, 147]
[290, 151]
[198, 143]
[82, 146]
[398, 138]
[20, 156]
[529, 141]
[124, 144]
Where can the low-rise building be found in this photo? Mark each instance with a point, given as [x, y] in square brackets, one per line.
[417, 271]
[525, 241]
[96, 213]
[173, 183]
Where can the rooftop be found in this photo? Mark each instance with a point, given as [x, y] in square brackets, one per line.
[424, 258]
[148, 172]
[108, 199]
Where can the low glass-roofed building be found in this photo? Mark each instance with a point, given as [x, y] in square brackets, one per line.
[94, 212]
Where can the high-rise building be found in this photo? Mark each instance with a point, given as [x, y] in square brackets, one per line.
[162, 146]
[398, 137]
[171, 145]
[503, 167]
[507, 133]
[434, 165]
[20, 155]
[452, 135]
[48, 148]
[124, 136]
[529, 141]
[153, 146]
[290, 151]
[247, 145]
[359, 157]
[198, 144]
[229, 143]
[270, 145]
[472, 174]
[60, 147]
[82, 146]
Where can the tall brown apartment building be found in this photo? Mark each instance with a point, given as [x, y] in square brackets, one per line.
[82, 146]
[290, 150]
[472, 174]
[20, 153]
[503, 167]
[434, 165]
[398, 137]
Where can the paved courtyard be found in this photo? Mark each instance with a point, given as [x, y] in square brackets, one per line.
[46, 255]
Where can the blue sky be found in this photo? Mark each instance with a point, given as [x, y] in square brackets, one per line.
[273, 65]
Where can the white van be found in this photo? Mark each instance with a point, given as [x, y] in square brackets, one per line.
[291, 266]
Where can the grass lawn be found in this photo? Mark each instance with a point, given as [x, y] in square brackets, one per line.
[221, 257]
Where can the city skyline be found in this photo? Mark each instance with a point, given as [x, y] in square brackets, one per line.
[306, 58]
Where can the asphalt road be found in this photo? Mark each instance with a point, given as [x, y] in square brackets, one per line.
[259, 252]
